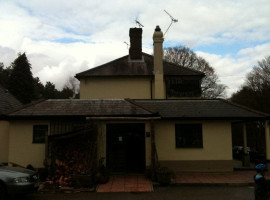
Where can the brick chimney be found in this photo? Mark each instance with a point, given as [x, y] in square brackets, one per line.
[159, 88]
[135, 50]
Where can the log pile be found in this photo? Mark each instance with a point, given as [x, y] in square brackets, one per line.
[73, 156]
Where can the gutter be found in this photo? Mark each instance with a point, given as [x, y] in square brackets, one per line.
[123, 118]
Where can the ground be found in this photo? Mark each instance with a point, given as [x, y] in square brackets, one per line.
[160, 193]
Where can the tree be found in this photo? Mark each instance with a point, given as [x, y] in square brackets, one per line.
[38, 89]
[21, 79]
[72, 84]
[185, 57]
[50, 92]
[65, 93]
[4, 75]
[255, 92]
[259, 78]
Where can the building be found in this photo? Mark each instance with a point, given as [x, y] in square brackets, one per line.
[147, 111]
[7, 103]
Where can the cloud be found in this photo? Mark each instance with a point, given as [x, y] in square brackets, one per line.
[56, 62]
[233, 70]
[62, 38]
[7, 55]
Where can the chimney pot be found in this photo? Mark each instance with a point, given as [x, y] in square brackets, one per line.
[157, 28]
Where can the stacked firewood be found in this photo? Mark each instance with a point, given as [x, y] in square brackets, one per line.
[76, 156]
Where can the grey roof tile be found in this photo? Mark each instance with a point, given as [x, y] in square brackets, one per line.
[199, 108]
[167, 109]
[76, 107]
[123, 67]
[7, 101]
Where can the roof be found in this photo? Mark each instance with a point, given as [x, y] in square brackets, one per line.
[166, 109]
[199, 109]
[83, 108]
[124, 67]
[7, 101]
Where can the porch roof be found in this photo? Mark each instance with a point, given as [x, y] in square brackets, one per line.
[128, 109]
[83, 108]
[200, 109]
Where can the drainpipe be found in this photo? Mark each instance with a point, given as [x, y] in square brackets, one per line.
[246, 159]
[154, 155]
[267, 141]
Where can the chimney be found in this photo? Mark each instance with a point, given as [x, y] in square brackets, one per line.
[135, 50]
[159, 88]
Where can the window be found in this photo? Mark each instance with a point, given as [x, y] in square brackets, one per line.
[179, 87]
[39, 133]
[188, 135]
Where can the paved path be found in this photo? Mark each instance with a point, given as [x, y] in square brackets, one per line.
[138, 183]
[234, 178]
[160, 193]
[126, 183]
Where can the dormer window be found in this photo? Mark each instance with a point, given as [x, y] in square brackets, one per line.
[183, 87]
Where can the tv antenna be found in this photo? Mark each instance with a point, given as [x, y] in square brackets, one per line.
[138, 23]
[173, 20]
[126, 44]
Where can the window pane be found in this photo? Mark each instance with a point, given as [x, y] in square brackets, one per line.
[39, 133]
[188, 135]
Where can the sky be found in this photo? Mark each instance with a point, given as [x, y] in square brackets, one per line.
[65, 37]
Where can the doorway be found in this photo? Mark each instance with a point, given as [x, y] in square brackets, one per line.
[125, 148]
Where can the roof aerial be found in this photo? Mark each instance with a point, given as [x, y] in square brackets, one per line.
[173, 20]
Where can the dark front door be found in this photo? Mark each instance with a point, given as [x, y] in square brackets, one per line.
[126, 148]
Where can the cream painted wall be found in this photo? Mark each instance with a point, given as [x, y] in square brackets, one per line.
[217, 142]
[4, 140]
[21, 149]
[115, 88]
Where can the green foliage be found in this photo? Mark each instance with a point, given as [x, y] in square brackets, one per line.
[18, 79]
[66, 93]
[255, 93]
[4, 75]
[21, 79]
[49, 91]
[185, 57]
[38, 88]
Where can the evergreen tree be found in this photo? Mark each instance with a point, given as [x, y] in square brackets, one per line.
[50, 92]
[4, 75]
[21, 79]
[38, 89]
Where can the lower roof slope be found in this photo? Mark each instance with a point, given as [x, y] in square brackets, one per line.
[166, 109]
[76, 107]
[7, 101]
[199, 108]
